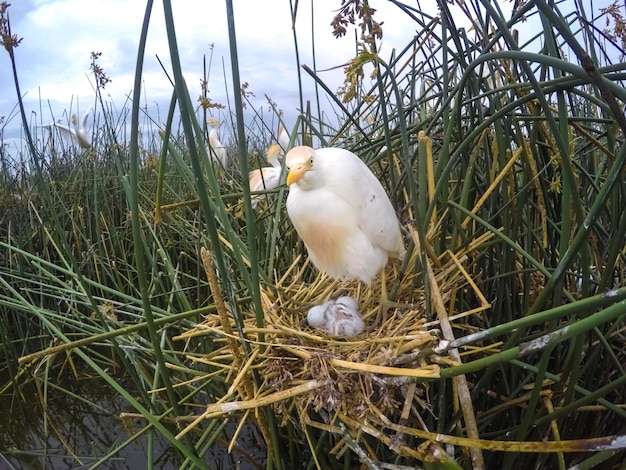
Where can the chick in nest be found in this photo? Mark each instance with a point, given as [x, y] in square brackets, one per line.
[338, 317]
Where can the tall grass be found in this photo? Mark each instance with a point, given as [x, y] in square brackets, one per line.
[511, 152]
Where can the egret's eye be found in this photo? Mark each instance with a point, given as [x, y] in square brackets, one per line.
[311, 161]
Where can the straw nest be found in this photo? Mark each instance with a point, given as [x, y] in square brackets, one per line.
[371, 383]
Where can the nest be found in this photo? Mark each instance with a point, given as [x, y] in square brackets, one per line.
[374, 383]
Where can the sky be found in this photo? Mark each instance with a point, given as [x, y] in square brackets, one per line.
[58, 36]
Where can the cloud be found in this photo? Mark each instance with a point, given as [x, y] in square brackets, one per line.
[59, 36]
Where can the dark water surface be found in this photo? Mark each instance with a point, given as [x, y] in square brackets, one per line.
[74, 432]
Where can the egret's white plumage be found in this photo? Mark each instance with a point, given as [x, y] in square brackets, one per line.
[337, 317]
[283, 137]
[78, 134]
[57, 129]
[341, 212]
[216, 149]
[266, 177]
[82, 132]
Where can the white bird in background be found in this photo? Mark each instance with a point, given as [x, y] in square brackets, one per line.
[337, 317]
[216, 149]
[342, 213]
[283, 137]
[79, 134]
[82, 133]
[266, 177]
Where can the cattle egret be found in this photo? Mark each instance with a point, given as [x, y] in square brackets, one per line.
[216, 149]
[82, 134]
[77, 134]
[65, 132]
[342, 213]
[337, 317]
[267, 177]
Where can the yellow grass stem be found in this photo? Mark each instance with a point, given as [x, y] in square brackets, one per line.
[244, 376]
[426, 372]
[554, 425]
[243, 373]
[173, 206]
[401, 450]
[219, 409]
[311, 446]
[459, 381]
[233, 440]
[493, 186]
[484, 304]
[218, 299]
[190, 382]
[574, 445]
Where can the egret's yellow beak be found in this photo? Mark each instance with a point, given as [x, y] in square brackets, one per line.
[297, 172]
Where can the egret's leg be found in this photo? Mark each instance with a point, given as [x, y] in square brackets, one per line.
[384, 303]
[384, 296]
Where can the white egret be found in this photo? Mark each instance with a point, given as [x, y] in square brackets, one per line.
[266, 177]
[82, 133]
[216, 149]
[337, 317]
[57, 129]
[342, 213]
[283, 137]
[78, 134]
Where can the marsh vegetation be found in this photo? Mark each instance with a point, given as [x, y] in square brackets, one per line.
[140, 264]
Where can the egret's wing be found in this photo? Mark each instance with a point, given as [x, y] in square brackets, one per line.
[256, 180]
[326, 224]
[283, 137]
[83, 122]
[63, 131]
[264, 178]
[350, 178]
[82, 133]
[216, 149]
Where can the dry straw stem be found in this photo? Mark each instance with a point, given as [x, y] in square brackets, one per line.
[459, 381]
[574, 445]
[244, 376]
[207, 262]
[426, 372]
[493, 186]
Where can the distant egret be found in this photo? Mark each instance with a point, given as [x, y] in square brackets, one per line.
[283, 137]
[78, 134]
[342, 213]
[216, 149]
[266, 177]
[82, 133]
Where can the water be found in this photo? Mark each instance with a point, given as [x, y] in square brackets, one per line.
[74, 432]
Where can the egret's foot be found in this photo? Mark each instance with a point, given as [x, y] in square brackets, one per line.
[383, 312]
[381, 315]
